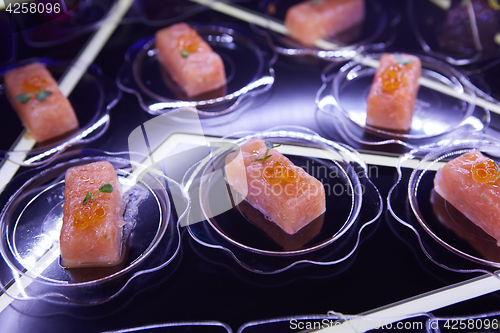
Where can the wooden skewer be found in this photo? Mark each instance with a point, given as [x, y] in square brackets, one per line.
[276, 26]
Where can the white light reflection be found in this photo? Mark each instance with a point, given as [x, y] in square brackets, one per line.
[417, 124]
[352, 75]
[474, 122]
[358, 117]
[337, 54]
[327, 100]
[69, 143]
[225, 38]
[266, 80]
[432, 128]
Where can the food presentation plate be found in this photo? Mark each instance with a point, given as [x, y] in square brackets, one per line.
[92, 99]
[32, 217]
[220, 218]
[180, 327]
[375, 33]
[344, 95]
[46, 30]
[84, 16]
[161, 12]
[248, 70]
[426, 19]
[415, 204]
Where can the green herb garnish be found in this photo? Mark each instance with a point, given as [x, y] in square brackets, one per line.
[184, 53]
[105, 188]
[315, 2]
[23, 98]
[269, 146]
[42, 95]
[88, 196]
[402, 61]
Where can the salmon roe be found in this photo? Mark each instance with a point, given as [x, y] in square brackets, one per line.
[34, 84]
[393, 77]
[278, 173]
[90, 213]
[189, 42]
[485, 171]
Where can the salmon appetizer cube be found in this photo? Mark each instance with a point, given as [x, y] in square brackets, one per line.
[288, 242]
[35, 96]
[461, 226]
[392, 96]
[470, 183]
[271, 183]
[316, 19]
[91, 235]
[191, 62]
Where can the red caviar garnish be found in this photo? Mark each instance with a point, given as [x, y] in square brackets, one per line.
[278, 173]
[485, 171]
[34, 84]
[86, 215]
[393, 77]
[188, 43]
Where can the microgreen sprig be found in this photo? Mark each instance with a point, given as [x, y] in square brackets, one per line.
[315, 2]
[105, 188]
[402, 61]
[269, 146]
[23, 98]
[40, 96]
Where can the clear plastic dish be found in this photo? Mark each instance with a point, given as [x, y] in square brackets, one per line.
[82, 17]
[87, 15]
[426, 20]
[375, 33]
[344, 97]
[224, 220]
[161, 12]
[32, 217]
[427, 212]
[181, 327]
[247, 68]
[92, 99]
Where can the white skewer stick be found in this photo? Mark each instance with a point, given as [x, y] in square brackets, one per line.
[427, 302]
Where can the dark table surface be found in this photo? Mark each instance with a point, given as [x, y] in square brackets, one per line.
[206, 284]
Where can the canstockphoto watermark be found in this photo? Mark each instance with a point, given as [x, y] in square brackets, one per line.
[278, 180]
[320, 170]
